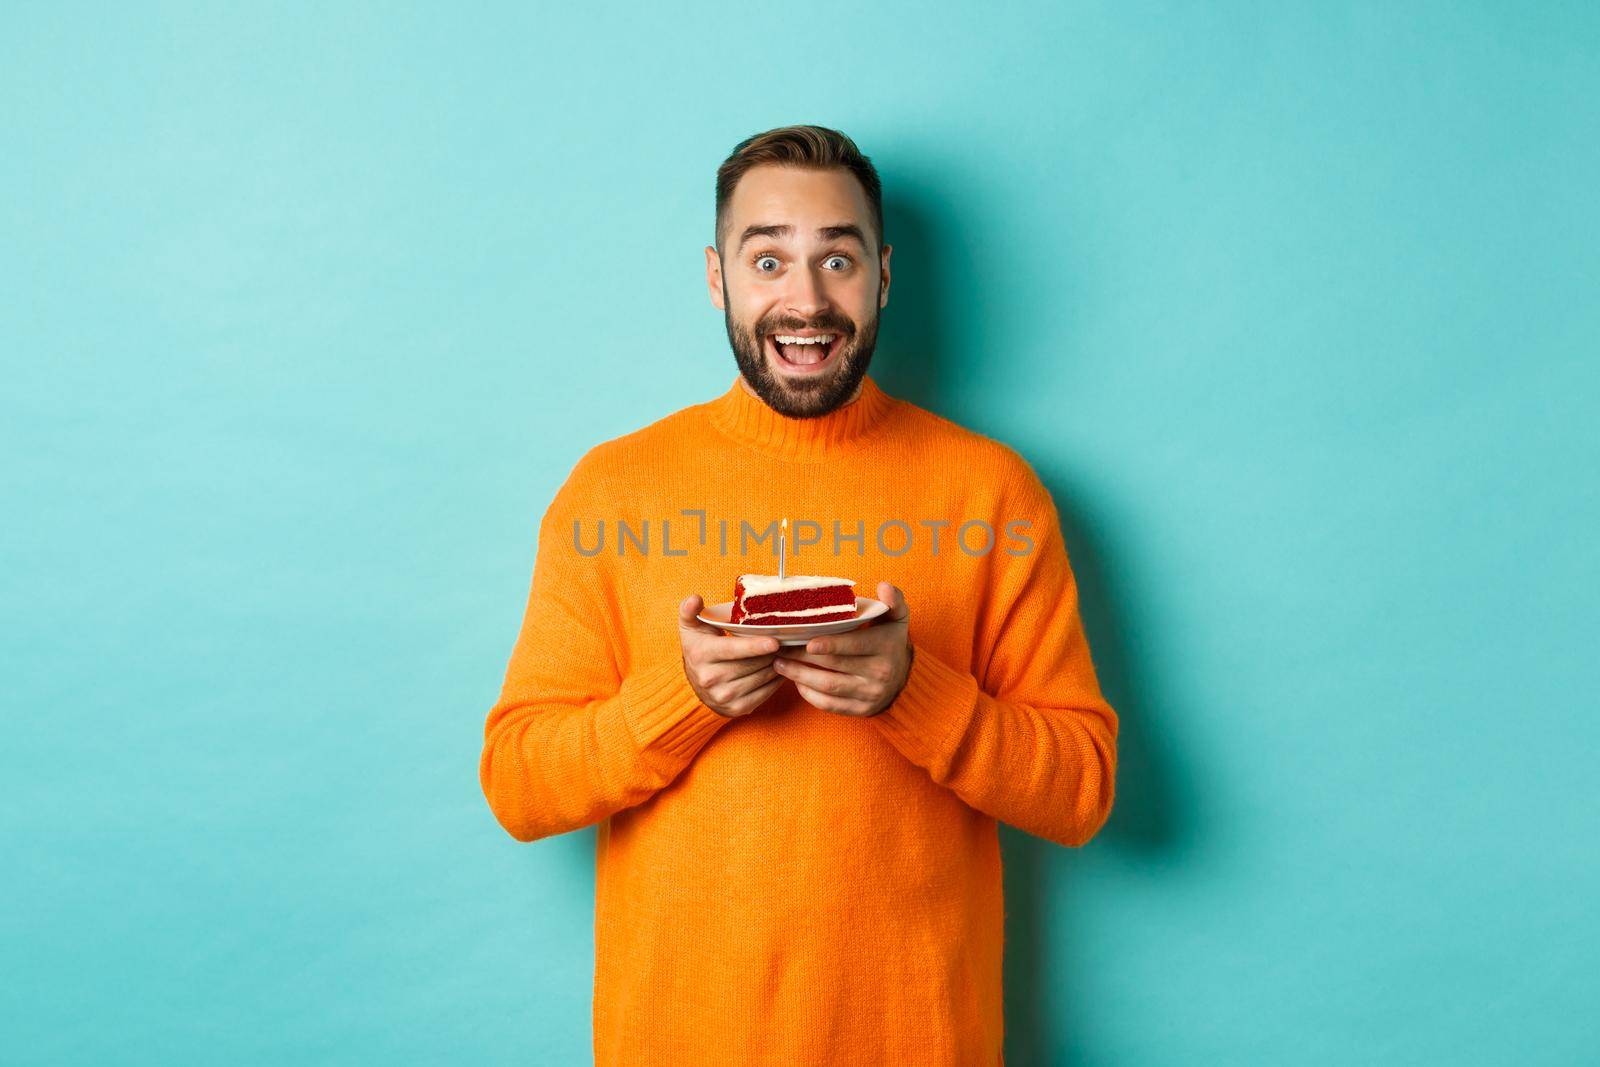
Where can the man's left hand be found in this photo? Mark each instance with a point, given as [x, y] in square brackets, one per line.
[857, 673]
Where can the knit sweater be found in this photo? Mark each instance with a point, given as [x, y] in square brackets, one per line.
[796, 886]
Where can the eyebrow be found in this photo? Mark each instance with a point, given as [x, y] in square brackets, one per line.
[827, 233]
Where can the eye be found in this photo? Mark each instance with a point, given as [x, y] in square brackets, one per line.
[838, 256]
[760, 259]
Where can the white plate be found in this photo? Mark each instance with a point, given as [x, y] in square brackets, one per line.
[866, 609]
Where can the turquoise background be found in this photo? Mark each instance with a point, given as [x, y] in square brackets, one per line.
[309, 309]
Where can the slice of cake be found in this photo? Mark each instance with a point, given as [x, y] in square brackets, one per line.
[767, 600]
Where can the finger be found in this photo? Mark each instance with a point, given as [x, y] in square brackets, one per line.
[855, 643]
[759, 696]
[723, 648]
[750, 681]
[732, 648]
[831, 683]
[690, 607]
[746, 668]
[830, 703]
[899, 610]
[846, 664]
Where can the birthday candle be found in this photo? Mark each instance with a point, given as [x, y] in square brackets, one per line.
[782, 546]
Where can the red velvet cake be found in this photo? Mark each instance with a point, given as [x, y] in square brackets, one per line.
[795, 599]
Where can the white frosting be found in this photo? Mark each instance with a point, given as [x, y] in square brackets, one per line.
[764, 584]
[802, 611]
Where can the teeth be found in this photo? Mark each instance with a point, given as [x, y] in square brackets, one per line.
[786, 340]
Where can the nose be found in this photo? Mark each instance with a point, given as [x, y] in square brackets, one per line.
[805, 296]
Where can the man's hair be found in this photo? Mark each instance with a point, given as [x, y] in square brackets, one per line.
[799, 146]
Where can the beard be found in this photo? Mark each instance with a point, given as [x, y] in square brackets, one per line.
[810, 396]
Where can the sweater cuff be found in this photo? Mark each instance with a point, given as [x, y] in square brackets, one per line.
[665, 714]
[928, 719]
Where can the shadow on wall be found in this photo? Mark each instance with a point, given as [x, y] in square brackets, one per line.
[1045, 993]
[910, 360]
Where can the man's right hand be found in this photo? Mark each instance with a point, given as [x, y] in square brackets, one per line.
[732, 675]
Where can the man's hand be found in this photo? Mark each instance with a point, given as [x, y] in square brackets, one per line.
[858, 673]
[733, 676]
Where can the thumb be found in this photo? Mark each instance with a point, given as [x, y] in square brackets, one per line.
[691, 606]
[899, 610]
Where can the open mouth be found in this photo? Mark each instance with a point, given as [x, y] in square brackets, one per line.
[804, 355]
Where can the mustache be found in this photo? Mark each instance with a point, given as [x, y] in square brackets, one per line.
[820, 327]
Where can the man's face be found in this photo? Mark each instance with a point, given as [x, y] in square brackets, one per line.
[799, 261]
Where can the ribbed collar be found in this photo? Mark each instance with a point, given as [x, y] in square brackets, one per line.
[748, 419]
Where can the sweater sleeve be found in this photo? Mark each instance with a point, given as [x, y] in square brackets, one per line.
[569, 741]
[1034, 744]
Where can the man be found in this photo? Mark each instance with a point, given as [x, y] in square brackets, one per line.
[798, 859]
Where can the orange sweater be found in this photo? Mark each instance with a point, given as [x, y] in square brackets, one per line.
[798, 887]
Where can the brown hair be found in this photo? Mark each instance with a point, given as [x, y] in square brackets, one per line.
[799, 146]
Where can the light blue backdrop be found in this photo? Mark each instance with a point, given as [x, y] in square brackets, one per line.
[307, 311]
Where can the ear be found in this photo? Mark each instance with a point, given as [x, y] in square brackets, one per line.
[714, 276]
[883, 284]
